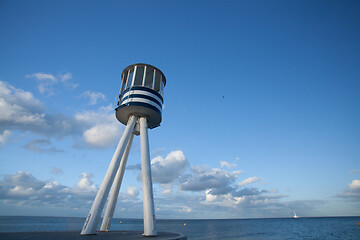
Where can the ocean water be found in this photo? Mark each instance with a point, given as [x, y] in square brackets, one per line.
[245, 229]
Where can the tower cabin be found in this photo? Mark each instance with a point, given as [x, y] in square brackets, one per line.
[141, 94]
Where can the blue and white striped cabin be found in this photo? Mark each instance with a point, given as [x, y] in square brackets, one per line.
[141, 94]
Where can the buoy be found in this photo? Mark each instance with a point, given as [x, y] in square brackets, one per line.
[358, 224]
[120, 221]
[184, 224]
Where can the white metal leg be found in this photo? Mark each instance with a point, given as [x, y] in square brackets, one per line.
[148, 199]
[110, 208]
[93, 218]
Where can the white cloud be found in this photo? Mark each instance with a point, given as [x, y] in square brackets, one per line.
[248, 181]
[21, 111]
[47, 82]
[132, 192]
[104, 130]
[66, 80]
[19, 107]
[219, 181]
[102, 135]
[221, 193]
[25, 188]
[4, 136]
[260, 204]
[95, 117]
[242, 199]
[43, 76]
[23, 191]
[352, 193]
[93, 96]
[355, 185]
[65, 77]
[167, 170]
[209, 197]
[85, 186]
[237, 172]
[228, 165]
[41, 146]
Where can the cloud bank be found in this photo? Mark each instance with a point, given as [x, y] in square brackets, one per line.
[21, 111]
[31, 191]
[196, 190]
[24, 190]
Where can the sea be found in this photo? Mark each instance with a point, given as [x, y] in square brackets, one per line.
[243, 229]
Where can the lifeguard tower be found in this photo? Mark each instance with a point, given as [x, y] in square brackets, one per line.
[139, 108]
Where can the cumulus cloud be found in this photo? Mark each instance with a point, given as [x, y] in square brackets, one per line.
[105, 129]
[41, 146]
[352, 193]
[19, 107]
[167, 170]
[355, 185]
[23, 191]
[85, 186]
[243, 198]
[217, 180]
[252, 203]
[24, 187]
[102, 135]
[219, 189]
[46, 82]
[93, 96]
[22, 111]
[248, 181]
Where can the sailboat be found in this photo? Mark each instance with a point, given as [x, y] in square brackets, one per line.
[295, 216]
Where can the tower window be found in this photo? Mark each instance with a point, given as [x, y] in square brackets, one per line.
[139, 76]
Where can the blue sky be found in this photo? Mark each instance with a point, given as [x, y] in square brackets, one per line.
[261, 108]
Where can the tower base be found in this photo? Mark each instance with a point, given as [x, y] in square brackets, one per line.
[74, 235]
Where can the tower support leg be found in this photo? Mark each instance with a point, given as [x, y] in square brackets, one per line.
[93, 218]
[110, 208]
[148, 199]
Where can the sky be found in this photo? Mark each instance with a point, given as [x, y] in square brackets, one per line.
[261, 112]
